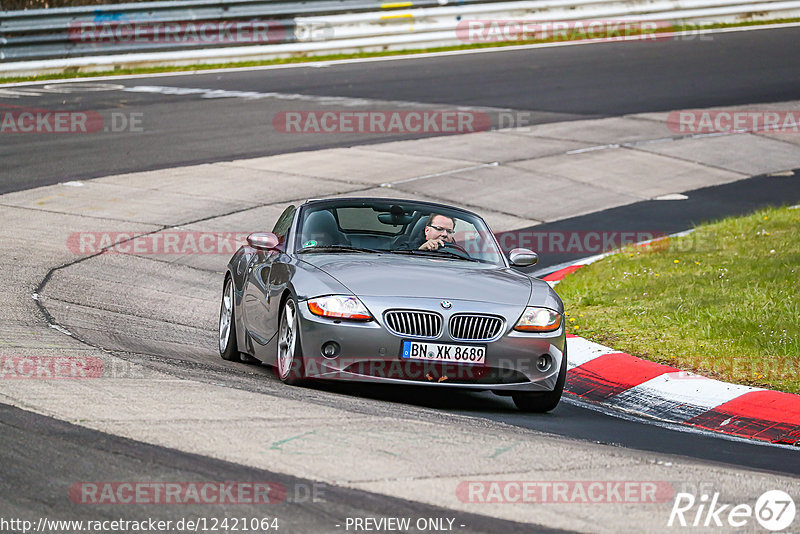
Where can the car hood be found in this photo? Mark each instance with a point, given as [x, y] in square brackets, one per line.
[388, 275]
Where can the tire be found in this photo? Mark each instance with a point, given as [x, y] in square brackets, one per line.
[290, 367]
[228, 349]
[543, 402]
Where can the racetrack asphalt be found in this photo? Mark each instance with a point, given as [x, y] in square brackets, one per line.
[50, 461]
[552, 84]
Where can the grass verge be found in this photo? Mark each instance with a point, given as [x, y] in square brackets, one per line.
[570, 36]
[723, 301]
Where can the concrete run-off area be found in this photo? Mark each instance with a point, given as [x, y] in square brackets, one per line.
[149, 317]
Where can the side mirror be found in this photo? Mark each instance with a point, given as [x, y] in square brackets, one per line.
[522, 257]
[263, 240]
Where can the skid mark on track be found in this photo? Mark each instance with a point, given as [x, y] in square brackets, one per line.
[502, 450]
[276, 445]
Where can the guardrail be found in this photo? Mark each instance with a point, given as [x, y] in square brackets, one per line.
[158, 26]
[218, 31]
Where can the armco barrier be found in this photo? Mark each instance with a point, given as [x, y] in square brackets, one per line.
[57, 40]
[55, 33]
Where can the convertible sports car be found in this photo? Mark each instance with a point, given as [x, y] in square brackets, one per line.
[394, 291]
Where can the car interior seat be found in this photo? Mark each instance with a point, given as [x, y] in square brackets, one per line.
[416, 235]
[320, 226]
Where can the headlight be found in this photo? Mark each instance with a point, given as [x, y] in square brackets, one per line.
[538, 320]
[339, 307]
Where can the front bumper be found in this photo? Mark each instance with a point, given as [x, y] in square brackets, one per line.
[369, 352]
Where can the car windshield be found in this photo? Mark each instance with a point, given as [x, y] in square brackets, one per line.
[400, 227]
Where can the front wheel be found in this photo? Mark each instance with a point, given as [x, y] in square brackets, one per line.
[290, 356]
[537, 402]
[227, 326]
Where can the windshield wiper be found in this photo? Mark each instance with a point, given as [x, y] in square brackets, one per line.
[434, 254]
[339, 248]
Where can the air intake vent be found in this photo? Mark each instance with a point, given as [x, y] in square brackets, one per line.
[472, 327]
[414, 323]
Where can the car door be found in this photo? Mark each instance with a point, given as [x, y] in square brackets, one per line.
[256, 294]
[260, 308]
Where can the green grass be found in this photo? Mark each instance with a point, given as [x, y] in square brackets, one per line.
[74, 73]
[723, 302]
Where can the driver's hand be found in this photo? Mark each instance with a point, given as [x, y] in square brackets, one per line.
[432, 244]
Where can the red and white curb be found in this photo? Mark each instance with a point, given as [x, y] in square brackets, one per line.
[601, 375]
[613, 379]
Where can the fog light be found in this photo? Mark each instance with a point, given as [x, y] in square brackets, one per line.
[544, 362]
[330, 349]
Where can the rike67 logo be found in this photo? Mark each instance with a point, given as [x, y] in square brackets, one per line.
[774, 510]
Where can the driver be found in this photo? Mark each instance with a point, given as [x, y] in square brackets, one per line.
[438, 231]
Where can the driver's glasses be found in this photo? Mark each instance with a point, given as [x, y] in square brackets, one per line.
[440, 229]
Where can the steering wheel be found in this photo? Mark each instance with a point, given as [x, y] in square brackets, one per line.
[455, 248]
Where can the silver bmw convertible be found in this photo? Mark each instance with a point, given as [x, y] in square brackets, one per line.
[396, 292]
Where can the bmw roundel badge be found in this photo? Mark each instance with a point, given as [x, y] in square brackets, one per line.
[446, 304]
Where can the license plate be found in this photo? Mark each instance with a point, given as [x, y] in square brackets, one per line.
[438, 352]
